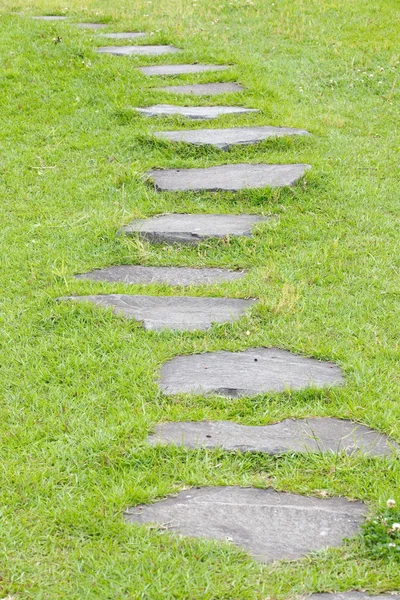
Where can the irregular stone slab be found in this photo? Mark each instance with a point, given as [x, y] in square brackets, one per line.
[224, 138]
[168, 275]
[203, 89]
[182, 313]
[194, 112]
[230, 178]
[353, 596]
[49, 18]
[192, 229]
[248, 373]
[270, 525]
[180, 69]
[139, 50]
[303, 435]
[125, 35]
[93, 26]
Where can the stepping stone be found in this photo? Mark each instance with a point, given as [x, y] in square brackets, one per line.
[192, 229]
[128, 35]
[167, 275]
[180, 69]
[224, 138]
[138, 50]
[230, 178]
[181, 313]
[49, 18]
[269, 525]
[304, 435]
[93, 26]
[194, 112]
[203, 89]
[248, 373]
[352, 596]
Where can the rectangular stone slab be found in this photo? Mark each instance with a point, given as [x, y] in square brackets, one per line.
[49, 18]
[303, 435]
[136, 274]
[183, 313]
[192, 229]
[203, 89]
[137, 50]
[269, 525]
[194, 112]
[352, 596]
[93, 26]
[125, 35]
[230, 178]
[225, 138]
[180, 69]
[254, 371]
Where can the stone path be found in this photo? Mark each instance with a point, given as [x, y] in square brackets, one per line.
[180, 69]
[254, 371]
[125, 35]
[304, 435]
[270, 525]
[192, 229]
[353, 596]
[131, 274]
[203, 89]
[139, 50]
[182, 313]
[227, 177]
[49, 18]
[194, 112]
[225, 138]
[93, 26]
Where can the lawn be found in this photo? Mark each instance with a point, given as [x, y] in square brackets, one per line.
[78, 384]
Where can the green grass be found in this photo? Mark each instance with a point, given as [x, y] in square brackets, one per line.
[78, 385]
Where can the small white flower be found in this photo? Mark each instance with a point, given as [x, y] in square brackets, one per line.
[391, 503]
[396, 527]
[391, 545]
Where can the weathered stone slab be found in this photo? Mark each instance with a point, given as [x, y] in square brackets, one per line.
[224, 138]
[303, 435]
[227, 177]
[49, 18]
[168, 275]
[268, 524]
[180, 69]
[254, 371]
[203, 89]
[125, 35]
[192, 229]
[193, 112]
[137, 50]
[93, 26]
[181, 313]
[353, 596]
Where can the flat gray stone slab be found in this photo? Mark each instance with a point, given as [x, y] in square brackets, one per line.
[181, 69]
[194, 112]
[93, 26]
[137, 50]
[168, 275]
[49, 18]
[181, 313]
[125, 35]
[227, 177]
[192, 229]
[224, 138]
[303, 435]
[203, 89]
[254, 371]
[269, 525]
[353, 596]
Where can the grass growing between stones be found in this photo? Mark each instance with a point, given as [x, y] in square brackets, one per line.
[78, 384]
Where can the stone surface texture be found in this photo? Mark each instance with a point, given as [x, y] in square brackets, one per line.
[180, 69]
[49, 18]
[132, 274]
[139, 50]
[192, 229]
[203, 89]
[254, 371]
[268, 524]
[125, 35]
[193, 112]
[93, 26]
[224, 138]
[182, 313]
[304, 435]
[353, 596]
[227, 177]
